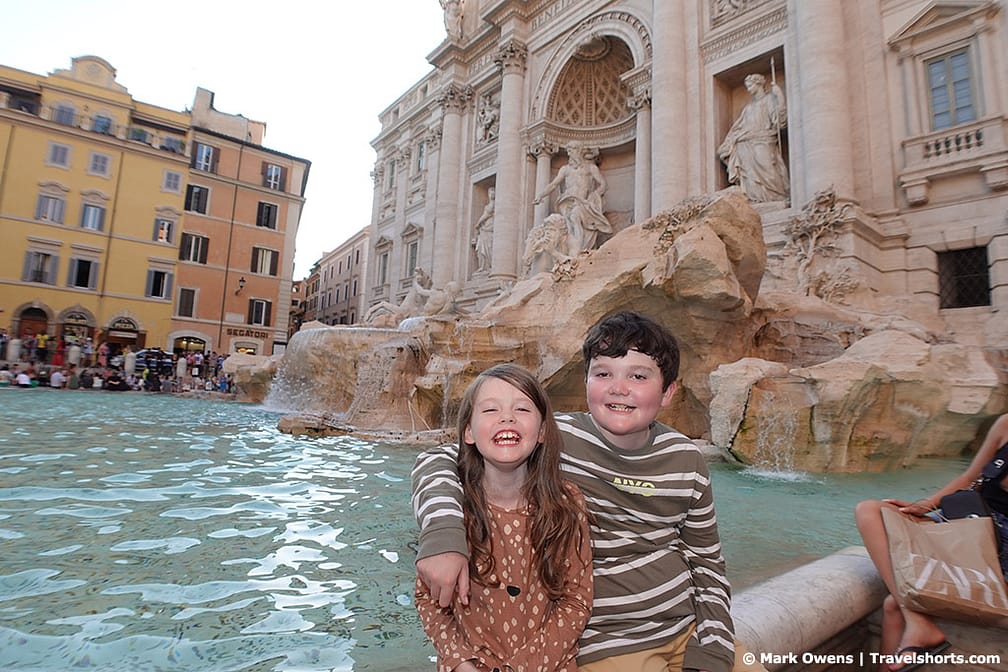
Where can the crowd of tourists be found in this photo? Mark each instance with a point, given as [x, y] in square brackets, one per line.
[41, 363]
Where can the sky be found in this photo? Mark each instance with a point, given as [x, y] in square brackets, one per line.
[317, 72]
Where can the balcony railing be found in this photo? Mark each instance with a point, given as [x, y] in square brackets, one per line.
[99, 124]
[979, 146]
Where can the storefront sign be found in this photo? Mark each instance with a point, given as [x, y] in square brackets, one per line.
[75, 318]
[248, 333]
[123, 323]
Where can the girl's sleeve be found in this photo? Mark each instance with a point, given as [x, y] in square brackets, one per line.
[556, 645]
[450, 644]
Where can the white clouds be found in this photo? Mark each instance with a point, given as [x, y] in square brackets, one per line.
[318, 73]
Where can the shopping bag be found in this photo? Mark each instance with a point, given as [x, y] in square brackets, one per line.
[948, 569]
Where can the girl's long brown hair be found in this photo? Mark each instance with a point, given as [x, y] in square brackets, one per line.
[554, 531]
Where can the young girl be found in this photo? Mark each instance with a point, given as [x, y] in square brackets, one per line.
[527, 534]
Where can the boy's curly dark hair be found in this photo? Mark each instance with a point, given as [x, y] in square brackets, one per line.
[620, 332]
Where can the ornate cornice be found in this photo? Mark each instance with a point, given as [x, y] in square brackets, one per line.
[723, 11]
[773, 22]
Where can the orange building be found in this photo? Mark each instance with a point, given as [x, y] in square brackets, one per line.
[236, 250]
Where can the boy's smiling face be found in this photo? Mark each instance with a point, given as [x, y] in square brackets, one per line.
[624, 397]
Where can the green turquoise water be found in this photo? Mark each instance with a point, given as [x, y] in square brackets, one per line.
[148, 533]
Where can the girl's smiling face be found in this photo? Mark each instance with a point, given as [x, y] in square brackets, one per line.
[506, 426]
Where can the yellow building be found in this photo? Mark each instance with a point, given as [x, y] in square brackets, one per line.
[91, 180]
[100, 199]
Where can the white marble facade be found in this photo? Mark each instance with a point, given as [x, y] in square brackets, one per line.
[897, 105]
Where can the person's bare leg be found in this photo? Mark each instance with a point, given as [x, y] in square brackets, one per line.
[892, 628]
[918, 629]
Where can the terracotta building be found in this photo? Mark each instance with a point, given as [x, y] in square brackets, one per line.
[100, 199]
[897, 106]
[242, 208]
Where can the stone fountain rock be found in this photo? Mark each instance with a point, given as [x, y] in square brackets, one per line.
[781, 378]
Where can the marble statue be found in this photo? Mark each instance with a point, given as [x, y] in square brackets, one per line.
[412, 304]
[489, 117]
[483, 242]
[453, 18]
[580, 202]
[545, 245]
[440, 301]
[751, 149]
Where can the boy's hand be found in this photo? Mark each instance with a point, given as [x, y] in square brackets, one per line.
[443, 574]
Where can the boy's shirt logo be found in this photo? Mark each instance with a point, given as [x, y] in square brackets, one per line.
[634, 486]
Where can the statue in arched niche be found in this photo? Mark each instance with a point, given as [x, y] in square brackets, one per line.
[751, 149]
[483, 242]
[580, 201]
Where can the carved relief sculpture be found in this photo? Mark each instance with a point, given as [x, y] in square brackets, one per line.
[580, 201]
[483, 240]
[752, 151]
[489, 118]
[811, 234]
[452, 18]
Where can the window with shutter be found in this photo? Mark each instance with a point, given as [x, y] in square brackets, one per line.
[205, 158]
[187, 302]
[49, 209]
[196, 199]
[83, 273]
[93, 217]
[59, 155]
[266, 216]
[259, 312]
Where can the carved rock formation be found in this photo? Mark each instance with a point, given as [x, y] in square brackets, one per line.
[888, 399]
[778, 378]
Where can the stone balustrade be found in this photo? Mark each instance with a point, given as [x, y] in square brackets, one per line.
[979, 146]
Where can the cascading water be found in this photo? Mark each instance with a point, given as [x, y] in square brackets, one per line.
[776, 437]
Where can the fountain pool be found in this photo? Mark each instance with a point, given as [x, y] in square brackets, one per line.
[145, 532]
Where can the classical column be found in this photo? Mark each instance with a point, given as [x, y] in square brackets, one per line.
[641, 104]
[669, 169]
[447, 225]
[543, 154]
[432, 139]
[825, 102]
[507, 233]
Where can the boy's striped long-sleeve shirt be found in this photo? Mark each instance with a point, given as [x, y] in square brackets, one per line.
[658, 567]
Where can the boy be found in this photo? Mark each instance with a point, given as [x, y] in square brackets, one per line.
[661, 594]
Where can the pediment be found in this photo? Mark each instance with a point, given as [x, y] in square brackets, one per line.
[411, 230]
[936, 16]
[383, 241]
